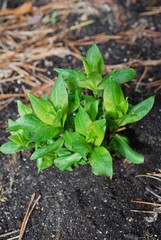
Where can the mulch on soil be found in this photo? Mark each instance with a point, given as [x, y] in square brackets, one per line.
[79, 205]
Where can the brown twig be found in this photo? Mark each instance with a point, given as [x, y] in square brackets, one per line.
[24, 220]
[27, 215]
[152, 11]
[148, 176]
[8, 234]
[13, 238]
[153, 84]
[153, 193]
[156, 83]
[5, 103]
[134, 63]
[157, 206]
[141, 78]
[151, 33]
[121, 129]
[98, 38]
[155, 174]
[157, 89]
[11, 95]
[144, 211]
[146, 203]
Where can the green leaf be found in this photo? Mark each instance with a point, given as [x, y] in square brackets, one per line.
[47, 149]
[91, 107]
[86, 65]
[71, 86]
[83, 162]
[69, 138]
[113, 96]
[73, 78]
[45, 162]
[42, 108]
[74, 103]
[53, 18]
[82, 121]
[76, 143]
[69, 124]
[95, 60]
[120, 76]
[66, 162]
[45, 133]
[59, 96]
[91, 82]
[17, 137]
[69, 74]
[63, 152]
[123, 75]
[124, 107]
[46, 20]
[26, 134]
[9, 148]
[125, 150]
[101, 162]
[46, 97]
[137, 112]
[23, 109]
[58, 119]
[96, 132]
[27, 122]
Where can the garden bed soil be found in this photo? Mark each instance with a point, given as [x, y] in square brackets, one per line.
[79, 205]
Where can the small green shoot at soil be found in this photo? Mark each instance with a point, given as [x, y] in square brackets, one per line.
[52, 20]
[79, 122]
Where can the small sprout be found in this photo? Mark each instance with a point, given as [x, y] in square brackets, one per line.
[50, 19]
[53, 18]
[46, 20]
[69, 128]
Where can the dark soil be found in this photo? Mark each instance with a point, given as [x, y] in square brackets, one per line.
[78, 205]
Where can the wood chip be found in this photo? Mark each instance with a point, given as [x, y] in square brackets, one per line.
[21, 10]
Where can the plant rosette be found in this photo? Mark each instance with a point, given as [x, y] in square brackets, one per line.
[71, 128]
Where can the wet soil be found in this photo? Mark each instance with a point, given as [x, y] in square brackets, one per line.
[78, 205]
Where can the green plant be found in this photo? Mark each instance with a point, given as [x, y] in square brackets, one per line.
[70, 127]
[50, 19]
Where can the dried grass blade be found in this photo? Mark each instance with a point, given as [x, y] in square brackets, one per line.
[147, 203]
[28, 213]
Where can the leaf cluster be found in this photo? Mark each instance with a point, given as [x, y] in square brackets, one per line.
[72, 127]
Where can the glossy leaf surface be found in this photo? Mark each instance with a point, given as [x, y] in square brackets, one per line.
[47, 149]
[125, 150]
[95, 59]
[120, 76]
[137, 112]
[42, 109]
[67, 162]
[10, 147]
[112, 97]
[82, 122]
[77, 143]
[23, 109]
[27, 122]
[101, 162]
[59, 96]
[96, 132]
[45, 162]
